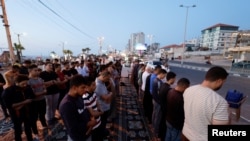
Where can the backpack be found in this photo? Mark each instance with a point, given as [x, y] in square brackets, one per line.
[233, 98]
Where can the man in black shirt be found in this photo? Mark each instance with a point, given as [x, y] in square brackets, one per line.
[2, 83]
[175, 110]
[73, 69]
[24, 67]
[165, 87]
[134, 75]
[75, 116]
[18, 98]
[51, 80]
[67, 73]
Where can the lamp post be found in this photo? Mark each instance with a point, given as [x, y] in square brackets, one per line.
[100, 40]
[185, 31]
[150, 42]
[62, 43]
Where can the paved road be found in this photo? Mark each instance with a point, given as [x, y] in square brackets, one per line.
[233, 82]
[194, 64]
[203, 66]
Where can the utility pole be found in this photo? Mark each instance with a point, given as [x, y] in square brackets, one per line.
[185, 32]
[6, 24]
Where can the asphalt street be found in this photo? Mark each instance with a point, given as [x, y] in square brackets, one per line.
[233, 82]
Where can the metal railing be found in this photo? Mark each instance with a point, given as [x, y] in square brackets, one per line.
[240, 70]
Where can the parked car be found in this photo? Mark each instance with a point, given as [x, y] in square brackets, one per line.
[153, 63]
[241, 64]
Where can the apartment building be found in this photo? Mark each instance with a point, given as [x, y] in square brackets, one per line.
[136, 38]
[219, 36]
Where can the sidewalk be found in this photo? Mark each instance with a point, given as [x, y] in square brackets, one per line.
[216, 60]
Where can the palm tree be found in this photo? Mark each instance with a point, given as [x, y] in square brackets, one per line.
[18, 48]
[68, 53]
[84, 50]
[87, 50]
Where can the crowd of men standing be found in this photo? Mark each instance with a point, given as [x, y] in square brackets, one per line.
[180, 112]
[83, 93]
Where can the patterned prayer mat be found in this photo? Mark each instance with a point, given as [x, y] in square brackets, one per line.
[128, 124]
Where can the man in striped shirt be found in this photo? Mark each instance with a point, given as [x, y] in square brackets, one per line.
[203, 106]
[90, 102]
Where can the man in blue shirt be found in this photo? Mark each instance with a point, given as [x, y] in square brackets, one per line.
[153, 77]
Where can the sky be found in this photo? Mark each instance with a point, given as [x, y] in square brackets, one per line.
[46, 25]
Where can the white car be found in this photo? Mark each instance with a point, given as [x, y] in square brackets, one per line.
[153, 63]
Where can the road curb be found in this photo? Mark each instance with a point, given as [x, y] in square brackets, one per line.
[206, 69]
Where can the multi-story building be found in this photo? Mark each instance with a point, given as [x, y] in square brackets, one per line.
[193, 44]
[241, 50]
[243, 38]
[136, 38]
[219, 36]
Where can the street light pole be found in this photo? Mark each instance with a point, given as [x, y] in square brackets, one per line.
[185, 31]
[100, 40]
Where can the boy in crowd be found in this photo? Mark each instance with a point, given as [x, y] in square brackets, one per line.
[39, 105]
[175, 111]
[165, 87]
[10, 75]
[90, 102]
[18, 99]
[104, 98]
[75, 116]
[156, 115]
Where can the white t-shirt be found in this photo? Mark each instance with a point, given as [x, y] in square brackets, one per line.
[201, 105]
[145, 74]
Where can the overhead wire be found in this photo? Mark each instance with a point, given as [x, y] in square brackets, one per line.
[62, 18]
[39, 13]
[59, 6]
[69, 12]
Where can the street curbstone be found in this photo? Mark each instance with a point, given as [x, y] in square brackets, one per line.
[206, 69]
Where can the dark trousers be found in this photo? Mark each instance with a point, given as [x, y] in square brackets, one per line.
[4, 108]
[38, 110]
[148, 106]
[95, 134]
[18, 128]
[104, 119]
[62, 93]
[163, 127]
[136, 86]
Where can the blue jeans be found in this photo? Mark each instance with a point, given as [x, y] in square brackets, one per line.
[172, 134]
[156, 117]
[51, 105]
